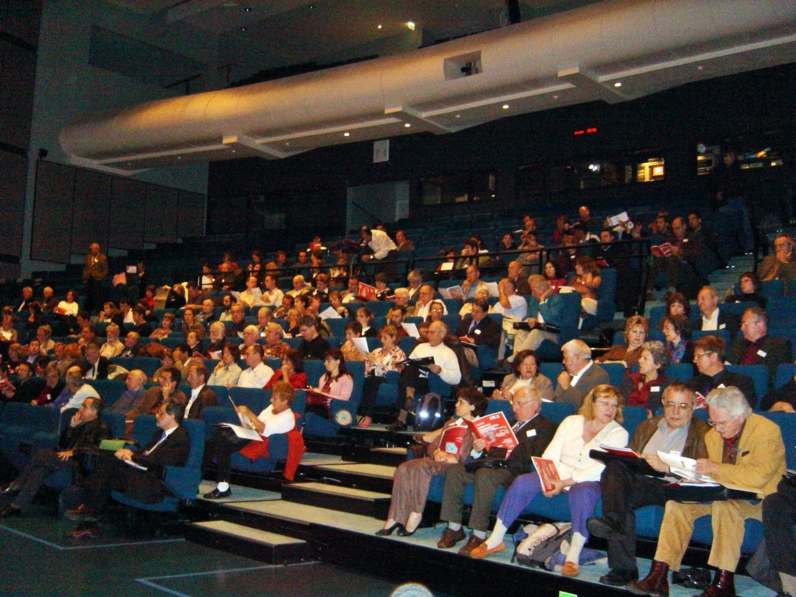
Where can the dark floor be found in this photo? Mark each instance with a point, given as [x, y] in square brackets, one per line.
[37, 559]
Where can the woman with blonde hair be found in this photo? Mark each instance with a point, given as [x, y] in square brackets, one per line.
[597, 422]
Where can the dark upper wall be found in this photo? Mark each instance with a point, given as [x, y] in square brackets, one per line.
[670, 123]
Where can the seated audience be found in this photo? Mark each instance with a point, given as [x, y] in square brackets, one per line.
[749, 285]
[74, 392]
[335, 384]
[166, 326]
[113, 347]
[377, 364]
[524, 372]
[580, 374]
[413, 477]
[781, 265]
[598, 422]
[709, 361]
[94, 366]
[586, 281]
[645, 387]
[227, 372]
[635, 333]
[623, 490]
[291, 371]
[201, 396]
[235, 329]
[274, 347]
[745, 450]
[258, 373]
[478, 330]
[130, 398]
[27, 387]
[364, 317]
[756, 347]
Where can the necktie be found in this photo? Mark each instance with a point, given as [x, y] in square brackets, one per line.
[160, 441]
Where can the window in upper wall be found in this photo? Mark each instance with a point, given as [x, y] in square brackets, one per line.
[460, 187]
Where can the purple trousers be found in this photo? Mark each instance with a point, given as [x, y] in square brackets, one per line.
[582, 500]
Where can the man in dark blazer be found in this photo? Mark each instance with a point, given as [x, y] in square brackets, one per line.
[757, 347]
[624, 489]
[580, 374]
[95, 270]
[533, 432]
[81, 438]
[201, 396]
[93, 365]
[711, 313]
[478, 329]
[709, 360]
[136, 473]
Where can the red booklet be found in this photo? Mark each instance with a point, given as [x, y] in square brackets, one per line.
[451, 440]
[495, 431]
[366, 292]
[547, 472]
[664, 250]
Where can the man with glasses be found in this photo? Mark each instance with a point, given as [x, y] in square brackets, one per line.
[709, 361]
[168, 380]
[745, 451]
[624, 490]
[757, 347]
[533, 432]
[781, 265]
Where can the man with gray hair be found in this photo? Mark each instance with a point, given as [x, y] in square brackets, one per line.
[757, 347]
[624, 489]
[75, 392]
[299, 286]
[712, 316]
[580, 374]
[113, 347]
[415, 279]
[130, 399]
[549, 312]
[745, 451]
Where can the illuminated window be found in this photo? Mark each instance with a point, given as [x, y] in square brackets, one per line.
[650, 171]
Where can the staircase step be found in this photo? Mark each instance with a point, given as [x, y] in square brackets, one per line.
[342, 499]
[389, 456]
[371, 477]
[249, 542]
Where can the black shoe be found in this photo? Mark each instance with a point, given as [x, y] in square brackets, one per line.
[217, 495]
[402, 532]
[619, 578]
[9, 511]
[387, 532]
[605, 528]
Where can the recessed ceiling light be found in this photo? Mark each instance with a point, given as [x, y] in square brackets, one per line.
[700, 67]
[247, 9]
[458, 116]
[618, 84]
[243, 29]
[411, 25]
[234, 150]
[505, 106]
[407, 125]
[378, 26]
[555, 97]
[346, 134]
[287, 142]
[179, 157]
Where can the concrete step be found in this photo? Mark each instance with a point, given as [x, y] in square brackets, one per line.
[249, 542]
[342, 499]
[370, 477]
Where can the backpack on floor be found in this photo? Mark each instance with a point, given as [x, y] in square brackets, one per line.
[541, 543]
[429, 412]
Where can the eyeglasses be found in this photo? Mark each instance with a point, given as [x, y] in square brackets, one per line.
[607, 404]
[720, 424]
[679, 405]
[704, 354]
[522, 403]
[749, 322]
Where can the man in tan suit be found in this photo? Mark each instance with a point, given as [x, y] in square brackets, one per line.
[95, 270]
[745, 451]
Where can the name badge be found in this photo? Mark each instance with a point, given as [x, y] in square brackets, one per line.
[476, 331]
[722, 326]
[685, 240]
[530, 433]
[655, 389]
[762, 353]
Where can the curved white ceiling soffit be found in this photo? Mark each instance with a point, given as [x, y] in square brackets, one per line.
[611, 51]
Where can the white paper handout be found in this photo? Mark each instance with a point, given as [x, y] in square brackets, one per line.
[242, 432]
[329, 313]
[411, 329]
[361, 344]
[682, 466]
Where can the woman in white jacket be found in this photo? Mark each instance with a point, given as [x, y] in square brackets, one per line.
[597, 422]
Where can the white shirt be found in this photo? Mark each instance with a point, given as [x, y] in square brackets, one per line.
[276, 423]
[273, 298]
[711, 323]
[194, 396]
[519, 307]
[579, 374]
[444, 357]
[85, 391]
[255, 378]
[112, 349]
[381, 244]
[227, 375]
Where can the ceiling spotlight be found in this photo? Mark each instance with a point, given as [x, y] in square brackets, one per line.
[234, 150]
[700, 67]
[505, 106]
[346, 134]
[458, 116]
[618, 84]
[287, 142]
[243, 29]
[555, 97]
[247, 9]
[407, 125]
[411, 25]
[378, 26]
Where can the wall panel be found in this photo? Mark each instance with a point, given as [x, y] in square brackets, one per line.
[52, 213]
[190, 221]
[127, 213]
[162, 205]
[91, 210]
[13, 172]
[18, 68]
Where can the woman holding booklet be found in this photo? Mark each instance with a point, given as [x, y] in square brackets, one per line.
[566, 466]
[444, 447]
[377, 364]
[524, 372]
[335, 384]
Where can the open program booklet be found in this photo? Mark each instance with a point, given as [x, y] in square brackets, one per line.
[245, 429]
